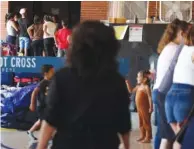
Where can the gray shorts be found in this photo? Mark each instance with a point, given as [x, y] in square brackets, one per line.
[61, 52]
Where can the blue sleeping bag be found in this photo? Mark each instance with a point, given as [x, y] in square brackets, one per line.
[14, 109]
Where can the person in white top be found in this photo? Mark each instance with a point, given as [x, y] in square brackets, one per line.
[168, 45]
[12, 28]
[180, 98]
[49, 29]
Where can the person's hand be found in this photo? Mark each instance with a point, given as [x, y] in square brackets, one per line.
[192, 57]
[56, 45]
[31, 37]
[150, 110]
[32, 108]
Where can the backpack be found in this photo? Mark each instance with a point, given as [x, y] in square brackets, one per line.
[8, 49]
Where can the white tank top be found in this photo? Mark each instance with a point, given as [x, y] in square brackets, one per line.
[164, 62]
[184, 69]
[51, 27]
[10, 30]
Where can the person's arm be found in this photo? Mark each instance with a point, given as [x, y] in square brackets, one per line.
[123, 114]
[69, 37]
[130, 89]
[168, 77]
[30, 31]
[56, 27]
[148, 91]
[33, 99]
[55, 38]
[45, 30]
[13, 24]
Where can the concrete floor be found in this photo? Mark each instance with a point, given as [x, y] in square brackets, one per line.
[13, 139]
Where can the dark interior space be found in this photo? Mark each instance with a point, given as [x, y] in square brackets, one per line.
[64, 9]
[139, 53]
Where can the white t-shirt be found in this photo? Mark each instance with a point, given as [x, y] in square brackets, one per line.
[10, 30]
[184, 69]
[164, 62]
[51, 27]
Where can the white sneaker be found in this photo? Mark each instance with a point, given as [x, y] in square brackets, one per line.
[31, 136]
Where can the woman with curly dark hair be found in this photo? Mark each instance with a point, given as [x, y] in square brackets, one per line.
[88, 100]
[169, 43]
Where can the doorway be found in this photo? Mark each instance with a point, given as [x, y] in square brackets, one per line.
[64, 9]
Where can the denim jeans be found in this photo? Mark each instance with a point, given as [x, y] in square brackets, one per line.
[165, 131]
[179, 102]
[61, 52]
[157, 138]
[24, 42]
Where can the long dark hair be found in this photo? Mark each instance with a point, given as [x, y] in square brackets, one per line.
[93, 49]
[37, 20]
[48, 18]
[9, 16]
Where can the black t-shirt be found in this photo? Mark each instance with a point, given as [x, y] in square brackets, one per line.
[42, 95]
[87, 113]
[23, 24]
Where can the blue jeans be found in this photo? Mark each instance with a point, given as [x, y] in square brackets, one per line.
[165, 131]
[61, 52]
[179, 102]
[24, 42]
[157, 138]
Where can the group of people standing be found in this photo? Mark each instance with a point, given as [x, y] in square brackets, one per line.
[87, 104]
[173, 91]
[45, 36]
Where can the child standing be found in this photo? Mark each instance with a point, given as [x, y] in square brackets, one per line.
[144, 106]
[62, 37]
[41, 93]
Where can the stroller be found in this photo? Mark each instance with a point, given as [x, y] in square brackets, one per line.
[8, 49]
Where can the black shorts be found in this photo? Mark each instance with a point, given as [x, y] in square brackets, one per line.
[166, 131]
[40, 114]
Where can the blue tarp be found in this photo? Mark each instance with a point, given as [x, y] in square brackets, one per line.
[7, 78]
[14, 109]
